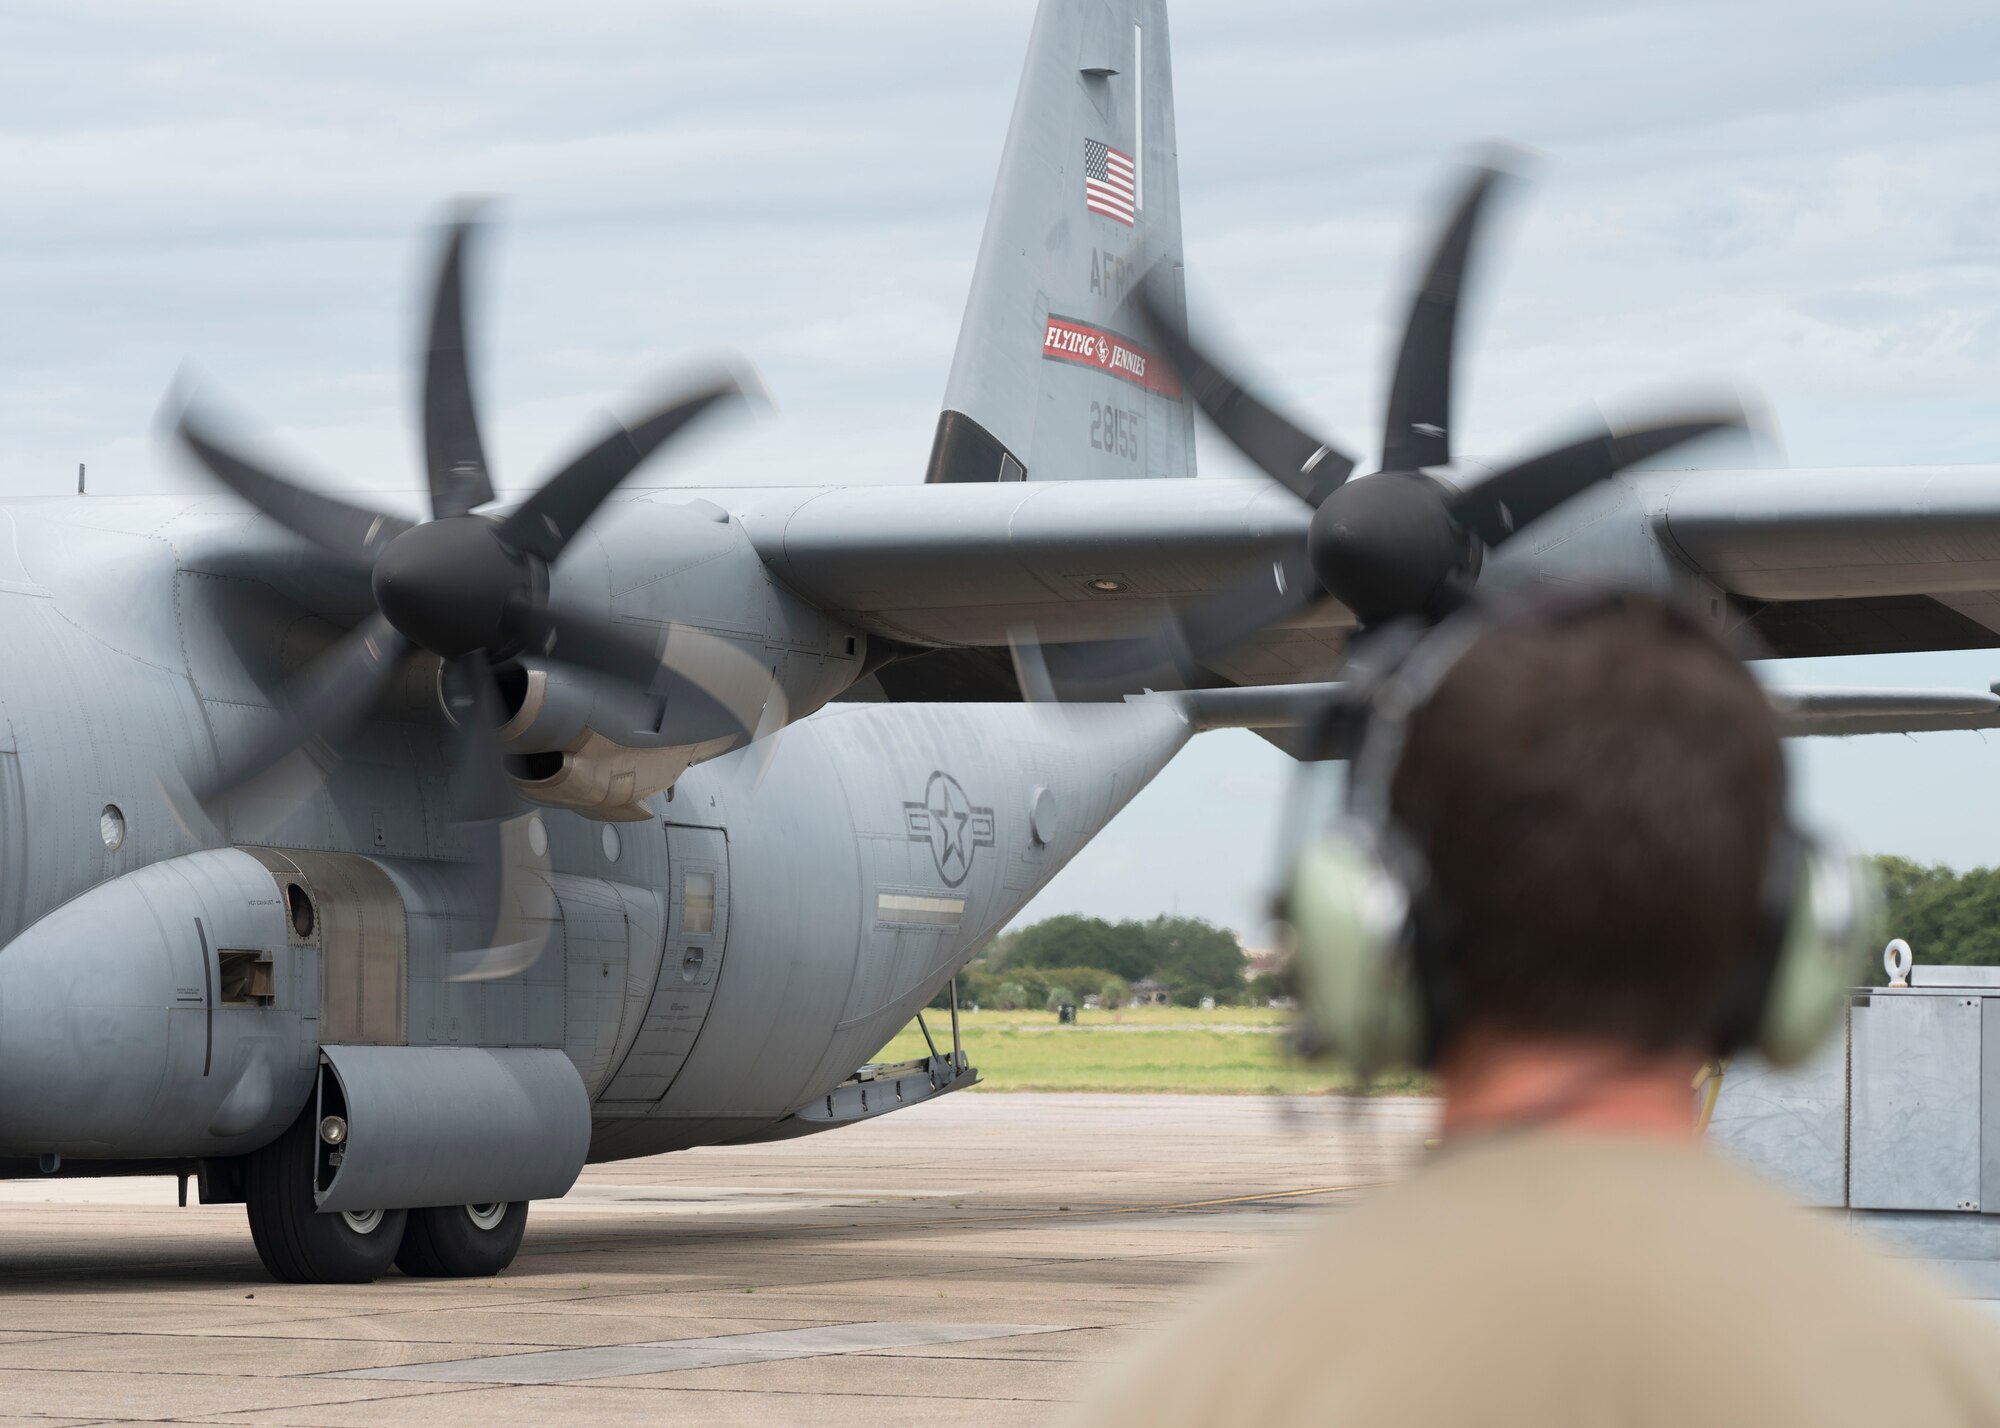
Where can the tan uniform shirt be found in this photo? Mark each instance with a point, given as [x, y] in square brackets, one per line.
[1549, 1279]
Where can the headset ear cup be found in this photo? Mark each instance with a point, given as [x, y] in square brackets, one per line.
[1351, 917]
[1836, 918]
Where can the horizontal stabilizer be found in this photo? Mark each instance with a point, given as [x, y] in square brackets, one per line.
[1257, 706]
[1279, 710]
[1837, 712]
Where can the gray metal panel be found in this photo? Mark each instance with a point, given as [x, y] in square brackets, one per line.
[1932, 975]
[596, 947]
[1989, 1102]
[447, 1125]
[855, 1100]
[1963, 1248]
[1789, 1125]
[1916, 1131]
[363, 936]
[13, 833]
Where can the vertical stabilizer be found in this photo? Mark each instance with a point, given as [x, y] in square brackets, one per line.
[1052, 379]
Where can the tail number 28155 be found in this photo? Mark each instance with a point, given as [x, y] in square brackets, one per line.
[1115, 429]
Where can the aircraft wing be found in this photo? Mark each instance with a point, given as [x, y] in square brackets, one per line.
[1851, 560]
[969, 564]
[1843, 561]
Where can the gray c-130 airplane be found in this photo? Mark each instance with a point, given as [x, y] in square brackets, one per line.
[656, 813]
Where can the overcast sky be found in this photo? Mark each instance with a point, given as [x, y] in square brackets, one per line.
[1802, 194]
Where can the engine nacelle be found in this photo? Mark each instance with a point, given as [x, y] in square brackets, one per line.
[582, 743]
[579, 741]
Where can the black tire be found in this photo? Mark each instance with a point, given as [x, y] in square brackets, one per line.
[462, 1241]
[297, 1243]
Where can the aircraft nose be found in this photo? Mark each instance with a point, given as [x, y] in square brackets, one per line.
[112, 1043]
[85, 1028]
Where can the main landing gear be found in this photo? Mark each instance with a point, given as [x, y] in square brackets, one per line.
[462, 1241]
[300, 1245]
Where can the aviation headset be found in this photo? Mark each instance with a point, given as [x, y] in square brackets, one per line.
[1377, 956]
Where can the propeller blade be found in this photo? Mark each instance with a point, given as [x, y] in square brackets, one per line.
[326, 701]
[594, 643]
[1416, 432]
[1502, 504]
[477, 958]
[479, 788]
[547, 520]
[454, 458]
[1303, 464]
[353, 532]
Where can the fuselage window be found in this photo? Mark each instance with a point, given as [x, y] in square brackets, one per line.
[698, 903]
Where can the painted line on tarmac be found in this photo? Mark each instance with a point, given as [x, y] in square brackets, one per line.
[676, 1355]
[1092, 1211]
[1083, 1211]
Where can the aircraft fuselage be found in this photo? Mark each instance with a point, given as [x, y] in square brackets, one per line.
[711, 966]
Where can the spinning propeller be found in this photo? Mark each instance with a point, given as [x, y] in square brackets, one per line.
[468, 588]
[1401, 543]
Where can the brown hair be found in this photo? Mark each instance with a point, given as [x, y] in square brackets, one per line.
[1595, 793]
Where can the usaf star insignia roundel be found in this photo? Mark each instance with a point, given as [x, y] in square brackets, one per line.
[947, 820]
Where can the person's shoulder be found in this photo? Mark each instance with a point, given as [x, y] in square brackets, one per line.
[1550, 1260]
[1775, 1282]
[1253, 1340]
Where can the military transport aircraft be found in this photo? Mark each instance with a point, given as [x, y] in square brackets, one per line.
[378, 874]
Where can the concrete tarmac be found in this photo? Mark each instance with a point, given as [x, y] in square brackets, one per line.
[971, 1261]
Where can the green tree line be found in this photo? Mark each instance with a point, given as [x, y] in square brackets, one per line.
[1947, 917]
[1068, 958]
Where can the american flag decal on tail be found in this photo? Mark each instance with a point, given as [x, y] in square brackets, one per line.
[1109, 185]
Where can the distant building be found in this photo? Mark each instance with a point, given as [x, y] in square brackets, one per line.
[1263, 962]
[1148, 993]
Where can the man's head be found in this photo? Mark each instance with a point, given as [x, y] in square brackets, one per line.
[1595, 793]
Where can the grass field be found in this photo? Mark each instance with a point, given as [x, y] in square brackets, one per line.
[1228, 1051]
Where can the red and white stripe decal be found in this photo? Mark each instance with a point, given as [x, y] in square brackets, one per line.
[1110, 182]
[1067, 340]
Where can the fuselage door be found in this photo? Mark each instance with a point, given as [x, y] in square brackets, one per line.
[697, 936]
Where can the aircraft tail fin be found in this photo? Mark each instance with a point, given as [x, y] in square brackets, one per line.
[1052, 379]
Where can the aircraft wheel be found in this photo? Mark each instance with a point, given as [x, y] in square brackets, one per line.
[462, 1241]
[297, 1243]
